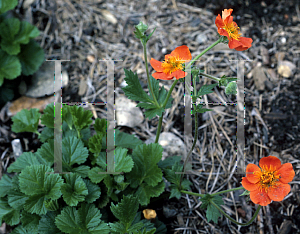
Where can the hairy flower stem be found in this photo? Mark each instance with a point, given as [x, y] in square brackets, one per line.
[213, 194]
[209, 76]
[203, 52]
[232, 220]
[163, 106]
[148, 76]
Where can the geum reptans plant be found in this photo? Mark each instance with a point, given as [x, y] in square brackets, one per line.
[78, 202]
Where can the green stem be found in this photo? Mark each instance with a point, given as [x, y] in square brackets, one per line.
[148, 76]
[163, 106]
[191, 193]
[211, 77]
[232, 220]
[226, 191]
[159, 127]
[169, 93]
[203, 52]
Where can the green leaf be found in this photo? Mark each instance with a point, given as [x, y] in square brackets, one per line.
[66, 115]
[150, 114]
[150, 35]
[126, 140]
[5, 185]
[81, 118]
[100, 126]
[93, 191]
[125, 210]
[145, 158]
[206, 89]
[95, 177]
[46, 152]
[51, 205]
[175, 179]
[74, 190]
[231, 88]
[30, 221]
[7, 5]
[168, 162]
[134, 90]
[34, 180]
[46, 134]
[155, 86]
[212, 213]
[26, 159]
[16, 199]
[31, 57]
[81, 170]
[10, 66]
[95, 144]
[13, 33]
[47, 224]
[48, 116]
[199, 109]
[123, 163]
[145, 192]
[26, 121]
[73, 151]
[84, 220]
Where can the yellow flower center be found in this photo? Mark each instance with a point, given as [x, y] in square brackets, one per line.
[233, 31]
[268, 177]
[172, 64]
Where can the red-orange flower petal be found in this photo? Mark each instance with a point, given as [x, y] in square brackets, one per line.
[260, 197]
[248, 185]
[179, 74]
[156, 65]
[183, 52]
[252, 178]
[161, 76]
[286, 172]
[270, 160]
[226, 13]
[219, 22]
[278, 193]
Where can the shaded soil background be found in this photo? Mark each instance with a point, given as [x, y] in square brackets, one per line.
[74, 30]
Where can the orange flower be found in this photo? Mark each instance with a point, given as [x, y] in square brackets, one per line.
[173, 64]
[269, 182]
[227, 27]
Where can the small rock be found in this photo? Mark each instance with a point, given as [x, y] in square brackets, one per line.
[28, 103]
[259, 77]
[90, 58]
[42, 82]
[127, 113]
[168, 213]
[265, 55]
[286, 68]
[171, 144]
[201, 38]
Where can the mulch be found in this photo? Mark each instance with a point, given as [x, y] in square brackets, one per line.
[87, 31]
